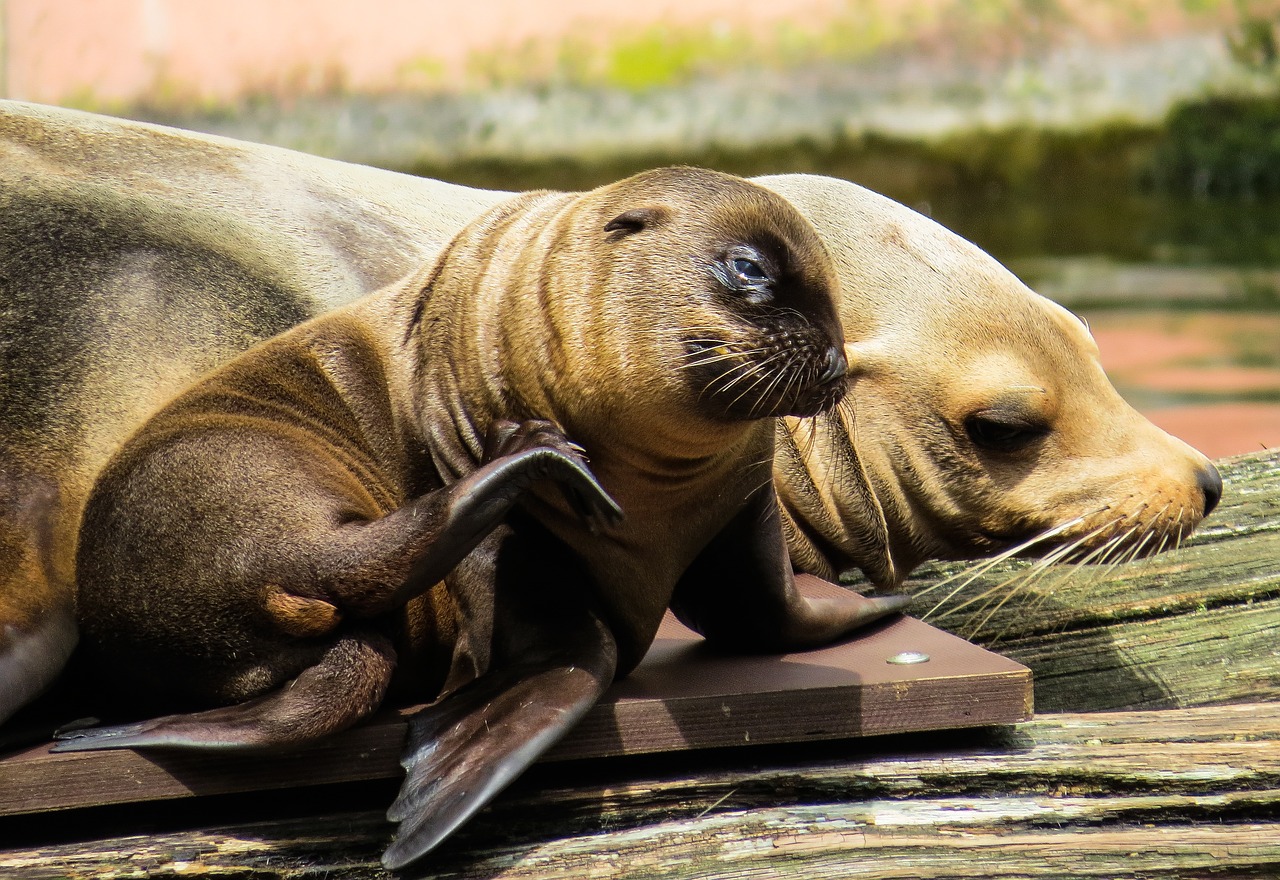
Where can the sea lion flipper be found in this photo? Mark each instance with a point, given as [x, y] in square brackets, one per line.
[347, 684]
[741, 592]
[466, 748]
[560, 459]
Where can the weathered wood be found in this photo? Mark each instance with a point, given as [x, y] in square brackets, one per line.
[1198, 626]
[1185, 793]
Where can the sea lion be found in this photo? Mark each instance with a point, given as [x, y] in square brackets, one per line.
[288, 528]
[982, 421]
[134, 257]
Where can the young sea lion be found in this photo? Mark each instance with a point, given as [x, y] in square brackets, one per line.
[278, 534]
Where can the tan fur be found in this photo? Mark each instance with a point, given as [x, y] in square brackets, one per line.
[940, 331]
[134, 258]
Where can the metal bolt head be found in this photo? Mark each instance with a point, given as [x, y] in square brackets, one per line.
[908, 658]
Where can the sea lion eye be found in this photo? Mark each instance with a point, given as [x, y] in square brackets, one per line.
[748, 271]
[1002, 434]
[745, 269]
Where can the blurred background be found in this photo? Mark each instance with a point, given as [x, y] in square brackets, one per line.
[1123, 157]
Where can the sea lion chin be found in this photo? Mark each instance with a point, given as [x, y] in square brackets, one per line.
[981, 422]
[396, 495]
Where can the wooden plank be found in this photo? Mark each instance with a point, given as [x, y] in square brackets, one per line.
[1186, 793]
[683, 696]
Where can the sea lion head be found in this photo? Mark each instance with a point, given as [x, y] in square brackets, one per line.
[748, 282]
[662, 312]
[982, 420]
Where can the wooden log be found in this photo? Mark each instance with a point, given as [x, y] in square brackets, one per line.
[1184, 793]
[1197, 626]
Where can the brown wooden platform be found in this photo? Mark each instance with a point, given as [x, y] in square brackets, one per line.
[682, 697]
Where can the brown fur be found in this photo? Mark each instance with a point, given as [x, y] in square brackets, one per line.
[216, 543]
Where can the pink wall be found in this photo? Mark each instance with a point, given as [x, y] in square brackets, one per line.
[116, 50]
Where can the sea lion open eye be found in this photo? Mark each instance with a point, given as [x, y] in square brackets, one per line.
[1002, 433]
[745, 269]
[748, 271]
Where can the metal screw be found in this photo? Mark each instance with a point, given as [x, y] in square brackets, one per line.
[908, 658]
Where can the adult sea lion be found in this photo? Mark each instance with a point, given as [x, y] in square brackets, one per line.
[982, 420]
[286, 530]
[134, 257]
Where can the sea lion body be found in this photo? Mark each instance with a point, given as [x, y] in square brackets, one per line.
[134, 258]
[273, 536]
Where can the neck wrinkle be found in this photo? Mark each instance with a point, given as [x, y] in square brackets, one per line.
[473, 328]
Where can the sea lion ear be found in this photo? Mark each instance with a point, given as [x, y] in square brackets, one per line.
[636, 220]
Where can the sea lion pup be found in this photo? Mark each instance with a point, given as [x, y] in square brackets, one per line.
[982, 421]
[274, 534]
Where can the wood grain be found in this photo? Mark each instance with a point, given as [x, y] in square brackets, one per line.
[1194, 627]
[1186, 793]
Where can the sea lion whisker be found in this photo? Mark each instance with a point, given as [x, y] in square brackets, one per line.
[773, 378]
[761, 375]
[1025, 578]
[973, 573]
[757, 377]
[711, 359]
[990, 562]
[1039, 571]
[792, 376]
[1150, 533]
[729, 378]
[713, 356]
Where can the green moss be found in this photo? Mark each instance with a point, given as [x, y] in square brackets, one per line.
[1224, 146]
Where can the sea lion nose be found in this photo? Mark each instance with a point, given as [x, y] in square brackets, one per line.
[1211, 484]
[835, 366]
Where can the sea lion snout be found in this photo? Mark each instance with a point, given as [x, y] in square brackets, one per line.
[1210, 481]
[837, 366]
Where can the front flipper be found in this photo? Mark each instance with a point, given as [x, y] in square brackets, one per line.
[740, 593]
[346, 685]
[466, 748]
[417, 545]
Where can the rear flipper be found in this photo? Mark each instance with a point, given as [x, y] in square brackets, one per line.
[346, 685]
[466, 748]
